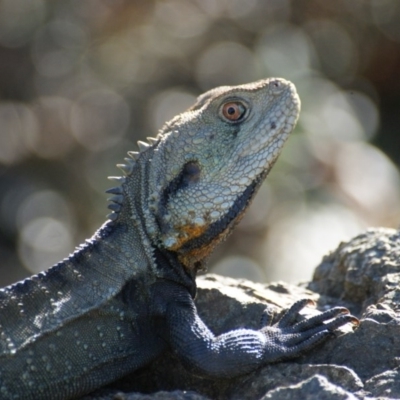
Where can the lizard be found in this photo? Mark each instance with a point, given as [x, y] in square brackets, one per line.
[127, 294]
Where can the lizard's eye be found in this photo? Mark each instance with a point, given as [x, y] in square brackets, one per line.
[233, 111]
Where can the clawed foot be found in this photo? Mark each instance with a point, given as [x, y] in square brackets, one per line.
[287, 339]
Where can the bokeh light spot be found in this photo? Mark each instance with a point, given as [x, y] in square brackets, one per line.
[165, 105]
[18, 125]
[99, 119]
[225, 63]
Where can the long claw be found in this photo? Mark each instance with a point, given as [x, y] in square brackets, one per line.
[291, 314]
[342, 320]
[319, 319]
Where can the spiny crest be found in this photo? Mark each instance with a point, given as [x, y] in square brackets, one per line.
[116, 201]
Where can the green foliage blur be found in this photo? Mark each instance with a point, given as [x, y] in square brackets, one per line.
[82, 80]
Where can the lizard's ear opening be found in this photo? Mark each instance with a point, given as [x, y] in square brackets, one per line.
[190, 173]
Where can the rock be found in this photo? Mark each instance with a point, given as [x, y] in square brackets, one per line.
[362, 274]
[291, 374]
[364, 271]
[315, 388]
[174, 395]
[386, 384]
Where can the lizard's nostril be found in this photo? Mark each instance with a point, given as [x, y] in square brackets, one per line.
[276, 83]
[277, 86]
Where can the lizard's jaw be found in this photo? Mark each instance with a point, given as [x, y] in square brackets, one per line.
[198, 242]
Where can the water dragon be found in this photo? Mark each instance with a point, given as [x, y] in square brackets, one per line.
[126, 294]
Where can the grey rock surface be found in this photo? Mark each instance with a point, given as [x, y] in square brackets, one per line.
[362, 274]
[162, 395]
[314, 388]
[386, 384]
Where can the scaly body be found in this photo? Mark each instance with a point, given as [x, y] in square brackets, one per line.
[127, 294]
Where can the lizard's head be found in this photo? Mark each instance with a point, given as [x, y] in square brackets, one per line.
[211, 160]
[208, 162]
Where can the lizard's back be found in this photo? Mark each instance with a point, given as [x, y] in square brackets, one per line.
[53, 323]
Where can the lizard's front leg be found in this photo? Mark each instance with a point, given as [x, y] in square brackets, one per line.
[243, 350]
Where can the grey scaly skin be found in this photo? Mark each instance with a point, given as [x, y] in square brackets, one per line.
[127, 294]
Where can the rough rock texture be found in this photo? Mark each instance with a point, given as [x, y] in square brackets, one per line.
[174, 395]
[314, 388]
[363, 275]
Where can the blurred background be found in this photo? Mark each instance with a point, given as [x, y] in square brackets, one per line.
[82, 80]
